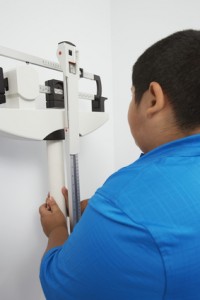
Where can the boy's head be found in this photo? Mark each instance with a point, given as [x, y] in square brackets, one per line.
[173, 65]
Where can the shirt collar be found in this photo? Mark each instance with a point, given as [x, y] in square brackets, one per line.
[187, 146]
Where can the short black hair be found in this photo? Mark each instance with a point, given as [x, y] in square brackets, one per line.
[173, 62]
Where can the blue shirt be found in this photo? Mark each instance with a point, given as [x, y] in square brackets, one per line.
[139, 238]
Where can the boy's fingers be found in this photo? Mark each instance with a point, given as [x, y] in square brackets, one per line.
[84, 204]
[43, 209]
[65, 192]
[52, 204]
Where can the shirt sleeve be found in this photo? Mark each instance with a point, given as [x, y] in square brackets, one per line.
[107, 256]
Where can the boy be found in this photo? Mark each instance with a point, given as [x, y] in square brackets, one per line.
[139, 237]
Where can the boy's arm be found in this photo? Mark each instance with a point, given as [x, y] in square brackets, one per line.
[54, 222]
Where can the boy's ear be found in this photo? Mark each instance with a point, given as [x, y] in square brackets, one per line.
[157, 99]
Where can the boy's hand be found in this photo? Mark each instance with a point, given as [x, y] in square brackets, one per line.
[51, 216]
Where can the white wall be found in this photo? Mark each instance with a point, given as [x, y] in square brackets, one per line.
[35, 27]
[136, 24]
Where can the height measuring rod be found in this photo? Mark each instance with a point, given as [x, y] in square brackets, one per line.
[69, 62]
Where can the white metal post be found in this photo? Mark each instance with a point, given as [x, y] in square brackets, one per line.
[56, 172]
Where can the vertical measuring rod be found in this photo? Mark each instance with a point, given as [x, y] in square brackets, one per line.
[68, 59]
